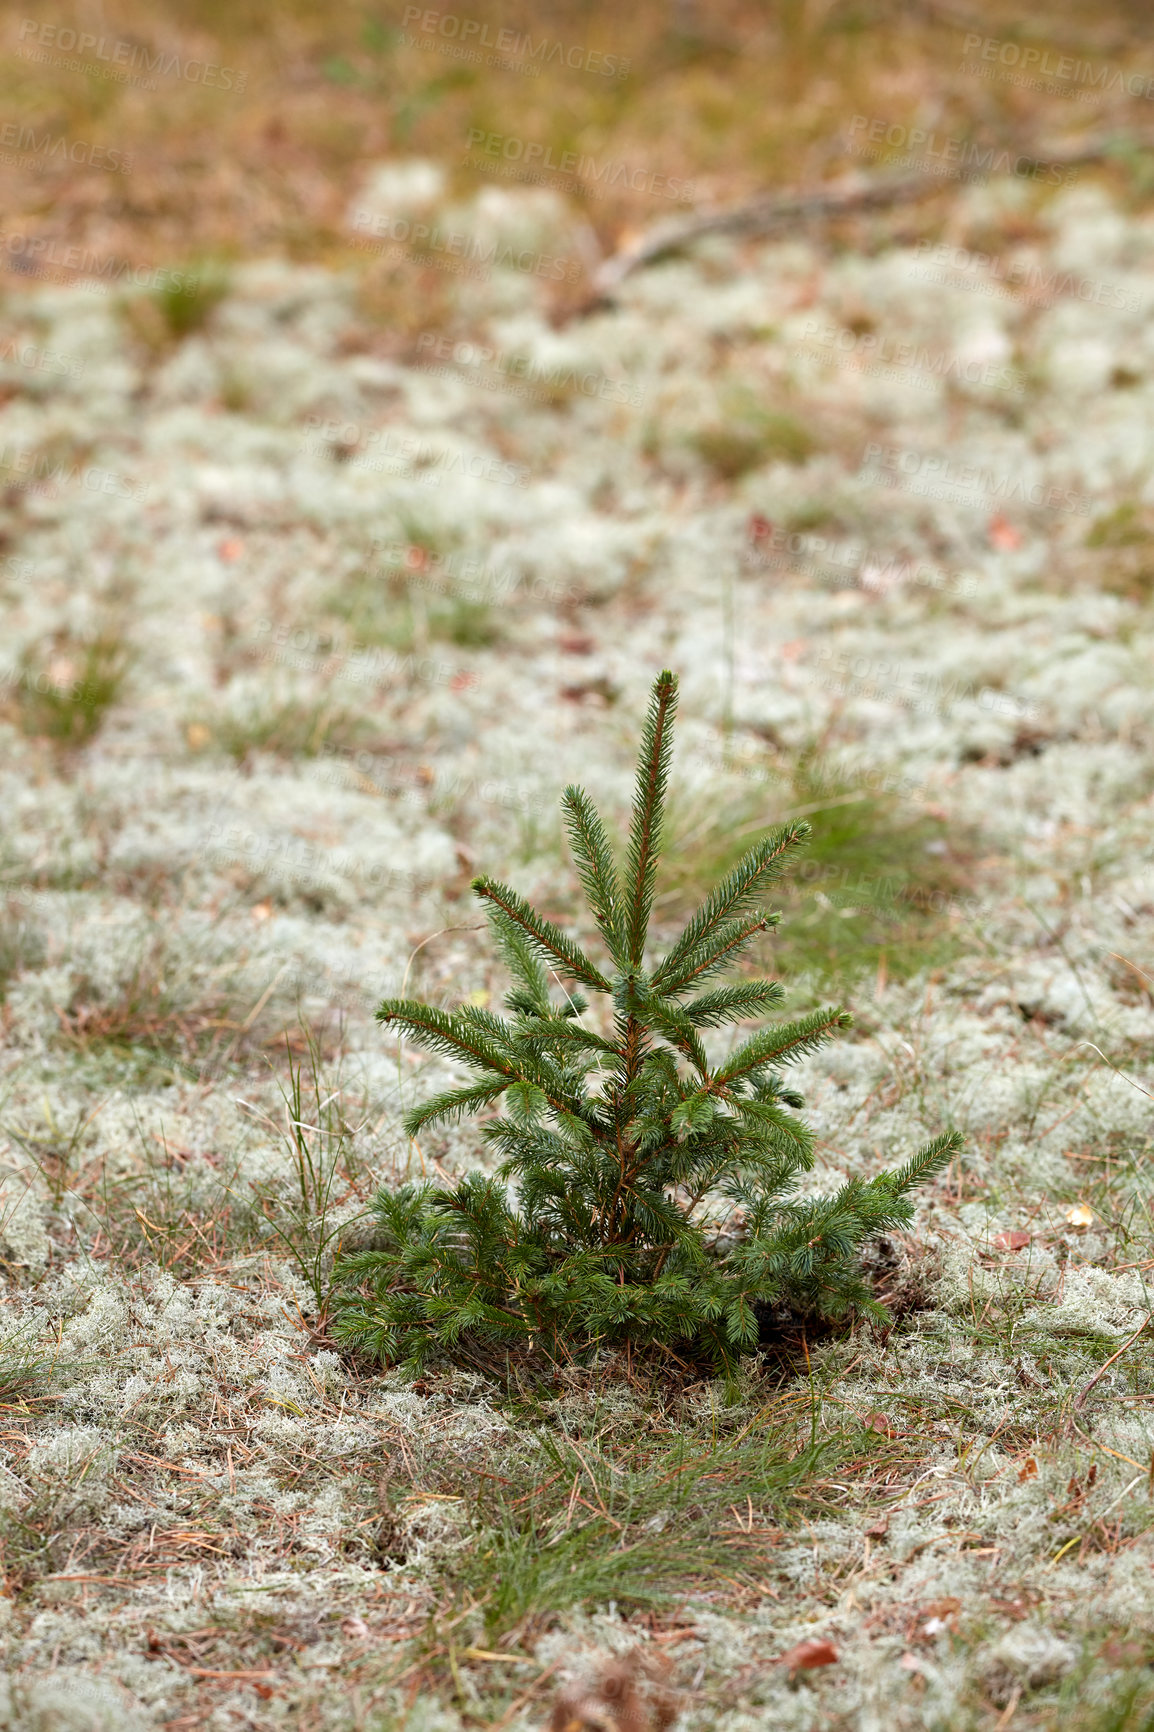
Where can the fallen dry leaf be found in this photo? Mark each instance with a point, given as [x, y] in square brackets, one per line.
[1028, 1470]
[807, 1655]
[1018, 1604]
[1081, 1215]
[1015, 1241]
[614, 1703]
[1003, 534]
[935, 1617]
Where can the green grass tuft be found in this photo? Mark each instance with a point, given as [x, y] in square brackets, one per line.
[880, 879]
[179, 306]
[63, 693]
[639, 1525]
[399, 610]
[284, 727]
[188, 301]
[21, 943]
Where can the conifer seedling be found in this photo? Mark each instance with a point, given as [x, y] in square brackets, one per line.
[616, 1150]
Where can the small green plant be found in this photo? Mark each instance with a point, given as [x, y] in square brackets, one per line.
[622, 1145]
[310, 1224]
[54, 1155]
[25, 1366]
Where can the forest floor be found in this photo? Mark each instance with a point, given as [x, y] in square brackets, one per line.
[324, 569]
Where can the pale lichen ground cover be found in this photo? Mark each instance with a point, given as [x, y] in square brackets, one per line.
[372, 616]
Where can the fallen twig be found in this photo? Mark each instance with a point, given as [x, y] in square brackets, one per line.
[845, 197]
[758, 216]
[1080, 1400]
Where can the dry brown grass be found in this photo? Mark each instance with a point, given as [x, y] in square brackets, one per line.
[733, 98]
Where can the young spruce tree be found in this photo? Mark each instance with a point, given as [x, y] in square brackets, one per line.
[612, 1146]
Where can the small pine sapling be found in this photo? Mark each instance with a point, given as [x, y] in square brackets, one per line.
[615, 1146]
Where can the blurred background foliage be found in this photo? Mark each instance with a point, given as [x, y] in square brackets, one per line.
[730, 96]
